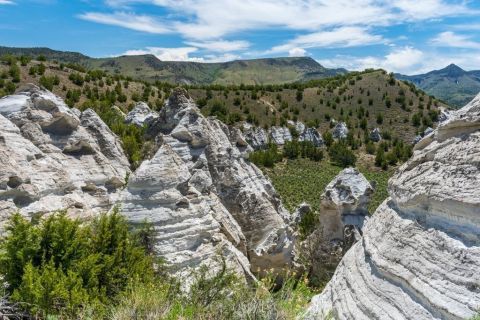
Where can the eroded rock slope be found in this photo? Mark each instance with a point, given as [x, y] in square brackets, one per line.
[53, 157]
[419, 257]
[203, 198]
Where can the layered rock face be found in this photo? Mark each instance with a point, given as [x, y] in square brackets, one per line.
[256, 137]
[280, 135]
[312, 135]
[203, 198]
[259, 138]
[344, 203]
[140, 114]
[419, 257]
[53, 157]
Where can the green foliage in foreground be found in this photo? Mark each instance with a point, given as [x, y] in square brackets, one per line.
[60, 268]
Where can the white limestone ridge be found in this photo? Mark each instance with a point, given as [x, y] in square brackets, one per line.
[204, 199]
[53, 157]
[419, 257]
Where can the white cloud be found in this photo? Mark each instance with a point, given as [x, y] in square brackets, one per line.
[429, 9]
[221, 45]
[127, 20]
[450, 39]
[213, 19]
[182, 54]
[337, 38]
[168, 54]
[297, 52]
[407, 60]
[6, 2]
[404, 60]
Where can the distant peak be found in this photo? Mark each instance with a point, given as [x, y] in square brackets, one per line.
[453, 67]
[452, 70]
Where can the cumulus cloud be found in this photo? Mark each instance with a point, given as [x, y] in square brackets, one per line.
[451, 39]
[297, 52]
[406, 60]
[337, 38]
[168, 54]
[6, 2]
[213, 19]
[182, 54]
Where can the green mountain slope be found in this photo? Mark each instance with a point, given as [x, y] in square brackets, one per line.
[451, 84]
[149, 68]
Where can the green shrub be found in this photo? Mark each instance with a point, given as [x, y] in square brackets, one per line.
[266, 158]
[61, 266]
[341, 155]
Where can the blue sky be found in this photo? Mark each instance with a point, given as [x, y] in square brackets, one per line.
[408, 36]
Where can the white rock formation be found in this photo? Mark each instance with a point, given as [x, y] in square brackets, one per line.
[299, 126]
[53, 157]
[419, 257]
[375, 135]
[140, 114]
[280, 135]
[204, 199]
[344, 202]
[312, 135]
[257, 137]
[340, 131]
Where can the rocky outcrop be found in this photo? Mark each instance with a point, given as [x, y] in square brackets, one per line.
[140, 114]
[204, 199]
[298, 126]
[280, 135]
[375, 135]
[311, 135]
[420, 252]
[340, 131]
[344, 203]
[53, 157]
[257, 137]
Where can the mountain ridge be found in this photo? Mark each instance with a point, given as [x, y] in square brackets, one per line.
[149, 68]
[452, 84]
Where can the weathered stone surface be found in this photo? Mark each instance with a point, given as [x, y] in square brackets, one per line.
[257, 137]
[280, 135]
[427, 131]
[299, 126]
[420, 253]
[340, 131]
[375, 135]
[312, 135]
[416, 139]
[297, 216]
[344, 202]
[52, 159]
[140, 114]
[204, 199]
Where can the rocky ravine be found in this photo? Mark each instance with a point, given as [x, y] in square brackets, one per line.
[203, 198]
[53, 157]
[419, 257]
